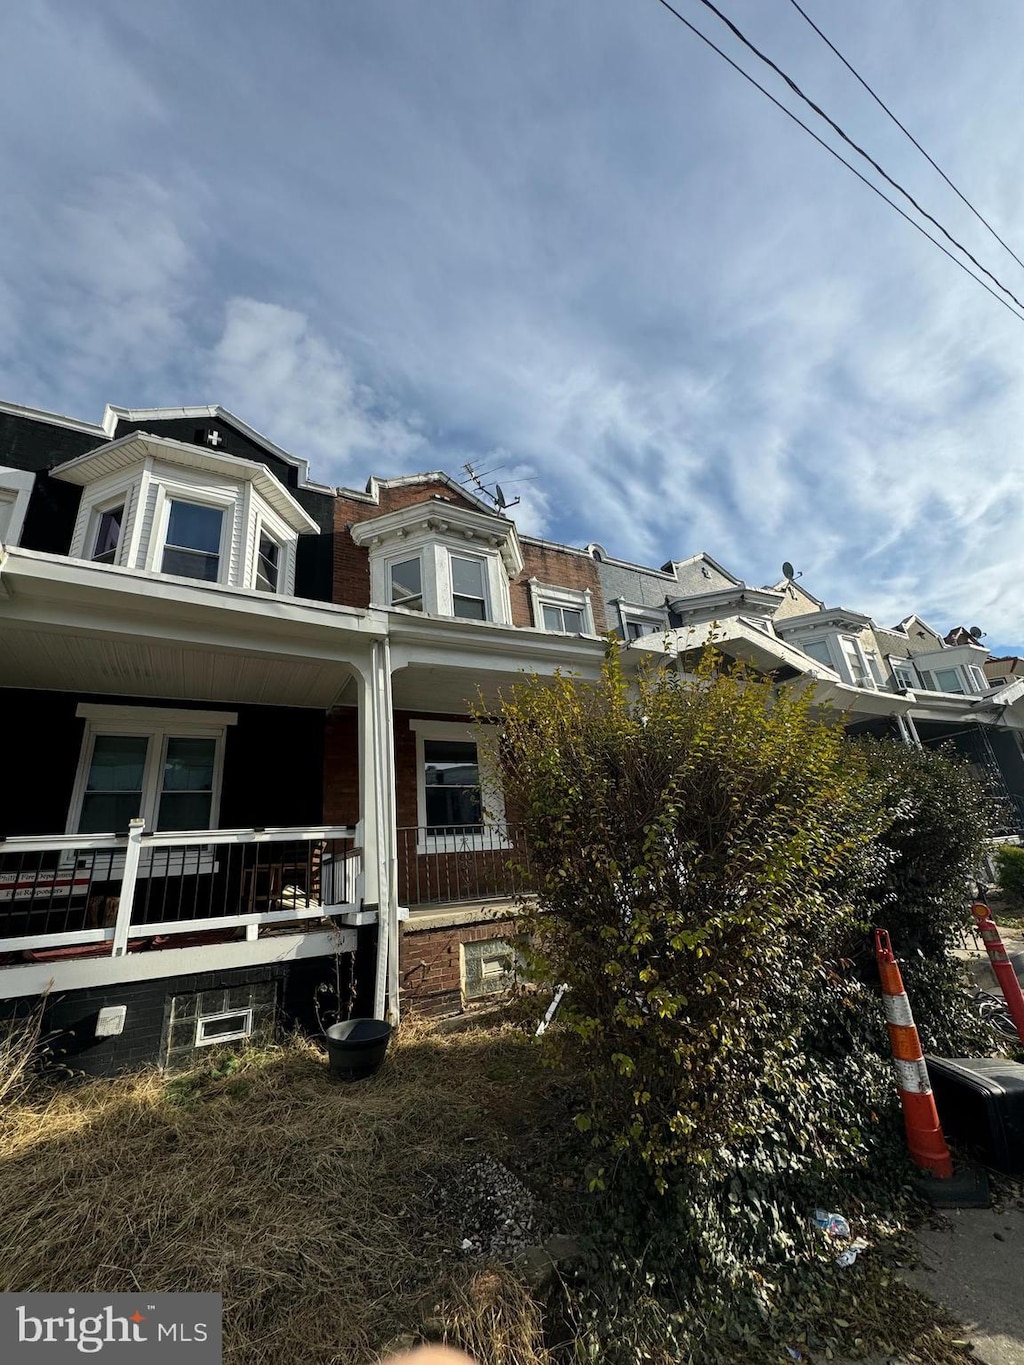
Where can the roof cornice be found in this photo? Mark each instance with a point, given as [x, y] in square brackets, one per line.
[447, 520]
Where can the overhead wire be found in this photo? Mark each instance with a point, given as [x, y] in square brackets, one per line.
[840, 158]
[774, 66]
[906, 131]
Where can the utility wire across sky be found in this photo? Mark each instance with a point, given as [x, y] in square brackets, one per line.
[882, 105]
[840, 158]
[763, 57]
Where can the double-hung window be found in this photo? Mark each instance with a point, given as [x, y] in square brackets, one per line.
[469, 588]
[405, 584]
[268, 563]
[143, 762]
[193, 540]
[904, 673]
[567, 620]
[459, 808]
[108, 535]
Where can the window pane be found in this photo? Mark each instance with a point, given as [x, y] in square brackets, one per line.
[184, 810]
[188, 765]
[113, 788]
[572, 620]
[189, 565]
[108, 533]
[470, 608]
[467, 577]
[818, 649]
[193, 527]
[266, 564]
[186, 796]
[103, 814]
[118, 763]
[948, 680]
[452, 779]
[552, 618]
[407, 585]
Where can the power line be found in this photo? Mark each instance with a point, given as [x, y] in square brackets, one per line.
[832, 152]
[882, 105]
[856, 147]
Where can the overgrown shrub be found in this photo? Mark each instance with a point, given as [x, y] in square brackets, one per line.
[1010, 871]
[931, 848]
[707, 854]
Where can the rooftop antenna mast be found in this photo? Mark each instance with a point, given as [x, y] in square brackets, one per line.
[497, 497]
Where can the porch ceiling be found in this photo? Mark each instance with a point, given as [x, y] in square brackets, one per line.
[449, 690]
[63, 660]
[72, 626]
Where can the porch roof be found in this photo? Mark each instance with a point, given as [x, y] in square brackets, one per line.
[75, 625]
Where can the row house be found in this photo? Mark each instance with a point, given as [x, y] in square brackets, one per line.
[241, 778]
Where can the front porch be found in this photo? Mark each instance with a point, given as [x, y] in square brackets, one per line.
[83, 910]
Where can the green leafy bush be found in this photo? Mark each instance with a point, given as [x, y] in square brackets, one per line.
[708, 855]
[1010, 871]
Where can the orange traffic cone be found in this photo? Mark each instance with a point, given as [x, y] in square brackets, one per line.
[924, 1133]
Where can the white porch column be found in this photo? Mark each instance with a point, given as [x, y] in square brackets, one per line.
[377, 800]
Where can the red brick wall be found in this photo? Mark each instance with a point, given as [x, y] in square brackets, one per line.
[559, 568]
[549, 564]
[429, 964]
[351, 561]
[341, 767]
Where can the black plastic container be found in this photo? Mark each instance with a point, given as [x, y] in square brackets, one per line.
[356, 1048]
[981, 1104]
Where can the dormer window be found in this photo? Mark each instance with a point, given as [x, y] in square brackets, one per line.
[162, 506]
[565, 610]
[469, 590]
[108, 535]
[443, 560]
[193, 541]
[406, 579]
[267, 563]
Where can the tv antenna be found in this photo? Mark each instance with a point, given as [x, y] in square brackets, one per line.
[497, 496]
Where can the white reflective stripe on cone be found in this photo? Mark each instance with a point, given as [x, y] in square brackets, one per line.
[897, 1010]
[913, 1076]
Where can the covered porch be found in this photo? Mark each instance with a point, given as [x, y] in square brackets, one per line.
[162, 806]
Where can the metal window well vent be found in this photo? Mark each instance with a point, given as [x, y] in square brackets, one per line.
[487, 968]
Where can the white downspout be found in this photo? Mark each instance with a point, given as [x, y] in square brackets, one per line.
[385, 995]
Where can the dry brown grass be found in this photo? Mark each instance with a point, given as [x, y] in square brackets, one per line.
[304, 1201]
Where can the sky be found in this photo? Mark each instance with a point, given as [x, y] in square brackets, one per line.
[563, 240]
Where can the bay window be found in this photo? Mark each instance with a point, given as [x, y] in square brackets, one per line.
[469, 589]
[192, 543]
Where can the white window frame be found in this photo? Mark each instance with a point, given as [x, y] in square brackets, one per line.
[897, 661]
[246, 1013]
[404, 559]
[850, 645]
[15, 491]
[492, 797]
[224, 502]
[485, 578]
[965, 690]
[976, 675]
[96, 512]
[552, 595]
[825, 640]
[158, 724]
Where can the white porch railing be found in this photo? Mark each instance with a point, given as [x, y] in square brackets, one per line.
[110, 895]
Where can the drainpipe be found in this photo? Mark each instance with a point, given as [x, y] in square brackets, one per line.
[385, 995]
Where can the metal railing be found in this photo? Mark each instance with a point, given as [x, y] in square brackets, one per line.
[119, 893]
[457, 863]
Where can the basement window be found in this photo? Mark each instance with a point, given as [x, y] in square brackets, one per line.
[223, 1028]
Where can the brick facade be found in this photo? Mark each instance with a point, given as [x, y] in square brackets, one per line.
[550, 564]
[430, 964]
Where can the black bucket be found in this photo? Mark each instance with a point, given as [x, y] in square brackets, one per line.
[356, 1048]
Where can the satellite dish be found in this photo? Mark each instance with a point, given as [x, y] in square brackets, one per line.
[976, 632]
[499, 496]
[788, 570]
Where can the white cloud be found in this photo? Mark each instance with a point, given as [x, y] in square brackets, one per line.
[272, 367]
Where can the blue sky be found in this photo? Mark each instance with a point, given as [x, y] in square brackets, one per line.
[564, 238]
